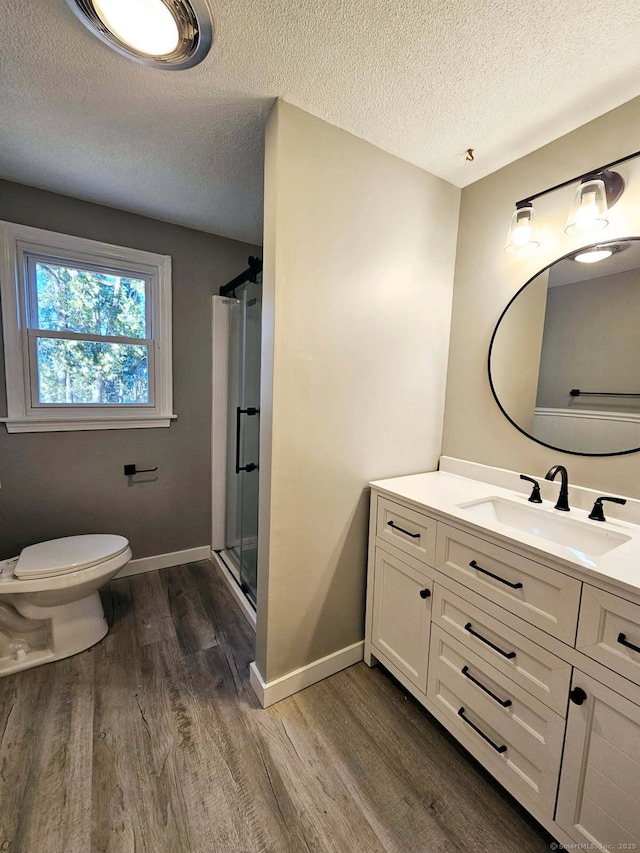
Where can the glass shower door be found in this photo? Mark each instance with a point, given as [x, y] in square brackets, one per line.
[244, 435]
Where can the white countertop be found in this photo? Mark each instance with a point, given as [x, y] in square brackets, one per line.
[441, 494]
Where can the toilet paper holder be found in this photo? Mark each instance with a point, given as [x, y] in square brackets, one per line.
[130, 470]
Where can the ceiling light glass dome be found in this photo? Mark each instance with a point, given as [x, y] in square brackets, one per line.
[169, 34]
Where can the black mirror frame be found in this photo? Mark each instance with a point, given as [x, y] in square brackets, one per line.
[495, 331]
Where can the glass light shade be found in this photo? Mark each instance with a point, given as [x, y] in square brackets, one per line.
[522, 233]
[589, 211]
[145, 25]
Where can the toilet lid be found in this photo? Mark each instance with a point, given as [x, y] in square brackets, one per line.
[59, 556]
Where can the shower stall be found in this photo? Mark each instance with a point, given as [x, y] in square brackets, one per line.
[237, 316]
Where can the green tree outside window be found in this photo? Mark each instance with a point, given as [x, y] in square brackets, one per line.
[86, 302]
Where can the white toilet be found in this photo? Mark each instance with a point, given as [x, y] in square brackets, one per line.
[49, 602]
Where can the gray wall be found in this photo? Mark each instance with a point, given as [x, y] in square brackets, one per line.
[591, 341]
[64, 483]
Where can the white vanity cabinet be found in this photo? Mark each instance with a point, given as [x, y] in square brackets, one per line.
[494, 642]
[519, 737]
[540, 595]
[402, 615]
[609, 631]
[405, 530]
[599, 796]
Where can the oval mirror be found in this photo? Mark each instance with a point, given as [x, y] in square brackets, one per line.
[564, 360]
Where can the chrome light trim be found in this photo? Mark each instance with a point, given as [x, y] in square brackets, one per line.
[194, 25]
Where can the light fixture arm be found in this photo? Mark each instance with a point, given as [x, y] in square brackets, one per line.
[525, 202]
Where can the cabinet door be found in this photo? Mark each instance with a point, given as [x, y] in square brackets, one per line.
[402, 616]
[599, 797]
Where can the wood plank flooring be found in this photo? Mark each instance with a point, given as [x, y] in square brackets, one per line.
[154, 742]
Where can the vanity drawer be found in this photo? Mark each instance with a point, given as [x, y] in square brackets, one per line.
[537, 670]
[518, 737]
[609, 631]
[406, 529]
[542, 596]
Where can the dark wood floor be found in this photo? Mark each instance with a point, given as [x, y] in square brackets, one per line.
[153, 741]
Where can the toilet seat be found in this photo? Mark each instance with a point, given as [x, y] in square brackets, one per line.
[69, 554]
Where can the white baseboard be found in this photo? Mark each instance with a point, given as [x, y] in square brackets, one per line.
[247, 610]
[164, 561]
[273, 691]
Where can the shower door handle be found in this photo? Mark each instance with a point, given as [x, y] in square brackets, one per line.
[239, 412]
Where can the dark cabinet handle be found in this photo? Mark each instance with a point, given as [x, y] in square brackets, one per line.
[509, 655]
[506, 703]
[425, 593]
[478, 568]
[497, 748]
[622, 638]
[402, 530]
[577, 696]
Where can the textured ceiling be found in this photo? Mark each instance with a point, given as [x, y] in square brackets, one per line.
[424, 79]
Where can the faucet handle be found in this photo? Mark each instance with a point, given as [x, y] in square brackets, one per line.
[534, 498]
[597, 513]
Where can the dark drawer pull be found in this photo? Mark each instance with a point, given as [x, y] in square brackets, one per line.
[622, 638]
[509, 655]
[425, 593]
[402, 530]
[497, 748]
[478, 568]
[506, 703]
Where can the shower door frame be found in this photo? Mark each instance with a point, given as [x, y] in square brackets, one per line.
[221, 435]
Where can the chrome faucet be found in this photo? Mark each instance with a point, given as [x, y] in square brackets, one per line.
[563, 497]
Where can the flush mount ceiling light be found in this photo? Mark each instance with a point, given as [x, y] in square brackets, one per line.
[599, 190]
[168, 34]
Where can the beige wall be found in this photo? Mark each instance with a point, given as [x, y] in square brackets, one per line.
[359, 252]
[515, 357]
[63, 483]
[487, 277]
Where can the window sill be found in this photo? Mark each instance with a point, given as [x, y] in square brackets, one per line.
[71, 425]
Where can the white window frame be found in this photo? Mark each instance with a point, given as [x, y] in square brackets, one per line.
[20, 245]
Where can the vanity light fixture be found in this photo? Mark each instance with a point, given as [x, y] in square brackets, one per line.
[168, 34]
[522, 232]
[598, 191]
[589, 211]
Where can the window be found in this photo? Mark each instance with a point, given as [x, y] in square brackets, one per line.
[87, 333]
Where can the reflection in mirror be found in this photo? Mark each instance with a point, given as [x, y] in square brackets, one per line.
[564, 362]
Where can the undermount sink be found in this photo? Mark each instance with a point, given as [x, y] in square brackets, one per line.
[556, 527]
